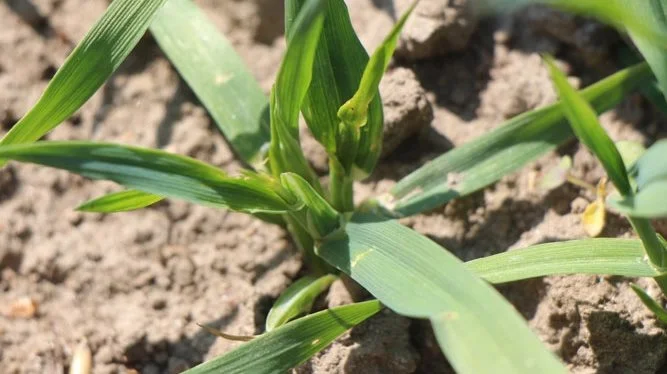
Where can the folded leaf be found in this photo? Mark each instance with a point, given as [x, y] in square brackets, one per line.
[217, 75]
[415, 277]
[502, 151]
[297, 299]
[590, 256]
[290, 345]
[587, 128]
[122, 201]
[321, 219]
[158, 173]
[91, 63]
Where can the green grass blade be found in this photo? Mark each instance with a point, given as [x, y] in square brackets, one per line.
[297, 300]
[416, 277]
[123, 201]
[652, 305]
[354, 114]
[336, 74]
[289, 91]
[587, 128]
[590, 256]
[291, 344]
[91, 63]
[217, 75]
[504, 150]
[157, 172]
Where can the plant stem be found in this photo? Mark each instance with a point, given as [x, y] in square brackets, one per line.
[304, 241]
[341, 187]
[652, 244]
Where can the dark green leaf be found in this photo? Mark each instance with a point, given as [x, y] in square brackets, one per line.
[91, 63]
[587, 128]
[122, 201]
[321, 219]
[217, 75]
[503, 150]
[159, 173]
[297, 300]
[291, 344]
[590, 256]
[415, 277]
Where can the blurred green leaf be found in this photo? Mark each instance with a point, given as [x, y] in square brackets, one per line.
[123, 201]
[290, 345]
[652, 305]
[354, 114]
[630, 152]
[417, 278]
[297, 299]
[217, 75]
[91, 63]
[649, 202]
[654, 53]
[652, 165]
[502, 151]
[289, 91]
[558, 175]
[590, 256]
[159, 173]
[587, 128]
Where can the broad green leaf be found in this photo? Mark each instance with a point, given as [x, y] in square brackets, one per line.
[91, 63]
[158, 173]
[502, 151]
[652, 166]
[123, 201]
[587, 128]
[289, 91]
[590, 256]
[290, 345]
[415, 277]
[654, 53]
[217, 75]
[652, 305]
[297, 300]
[320, 218]
[649, 202]
[354, 114]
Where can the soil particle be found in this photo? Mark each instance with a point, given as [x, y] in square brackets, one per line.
[406, 109]
[436, 27]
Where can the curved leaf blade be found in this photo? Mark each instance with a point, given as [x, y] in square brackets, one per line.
[587, 128]
[647, 203]
[91, 63]
[123, 201]
[297, 299]
[506, 149]
[591, 256]
[652, 305]
[292, 344]
[415, 277]
[652, 166]
[654, 53]
[217, 75]
[156, 172]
